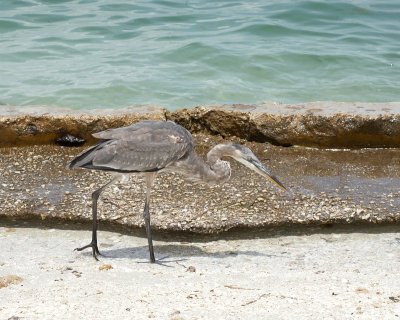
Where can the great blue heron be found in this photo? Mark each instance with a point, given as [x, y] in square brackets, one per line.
[150, 147]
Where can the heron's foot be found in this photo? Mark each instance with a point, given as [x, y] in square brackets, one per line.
[95, 249]
[162, 261]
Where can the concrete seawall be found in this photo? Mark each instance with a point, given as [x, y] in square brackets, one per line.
[319, 124]
[327, 185]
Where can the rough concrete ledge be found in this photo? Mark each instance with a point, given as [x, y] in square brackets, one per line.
[37, 126]
[318, 124]
[325, 187]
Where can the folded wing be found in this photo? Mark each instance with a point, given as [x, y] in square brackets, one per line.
[143, 147]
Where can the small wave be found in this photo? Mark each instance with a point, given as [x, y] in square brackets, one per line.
[10, 26]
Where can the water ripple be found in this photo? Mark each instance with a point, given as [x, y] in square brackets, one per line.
[105, 53]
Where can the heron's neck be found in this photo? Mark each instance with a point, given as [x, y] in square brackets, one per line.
[213, 171]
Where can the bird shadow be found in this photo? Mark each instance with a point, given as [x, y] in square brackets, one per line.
[178, 253]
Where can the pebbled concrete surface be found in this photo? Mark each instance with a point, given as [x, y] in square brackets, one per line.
[326, 187]
[336, 273]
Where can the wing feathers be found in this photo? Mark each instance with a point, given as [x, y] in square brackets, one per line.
[144, 146]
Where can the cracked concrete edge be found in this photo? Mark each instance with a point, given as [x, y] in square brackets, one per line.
[316, 124]
[213, 229]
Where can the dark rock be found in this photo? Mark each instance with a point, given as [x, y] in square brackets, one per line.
[31, 129]
[70, 141]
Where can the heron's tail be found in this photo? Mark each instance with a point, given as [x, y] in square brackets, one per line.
[84, 158]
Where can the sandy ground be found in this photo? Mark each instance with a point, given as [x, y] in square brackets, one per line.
[311, 274]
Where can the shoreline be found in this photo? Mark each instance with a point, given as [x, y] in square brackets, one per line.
[315, 124]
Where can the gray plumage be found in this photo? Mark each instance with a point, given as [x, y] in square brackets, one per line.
[150, 147]
[142, 147]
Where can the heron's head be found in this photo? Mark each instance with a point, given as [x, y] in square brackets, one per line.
[245, 156]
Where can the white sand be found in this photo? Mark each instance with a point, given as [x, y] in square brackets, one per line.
[320, 276]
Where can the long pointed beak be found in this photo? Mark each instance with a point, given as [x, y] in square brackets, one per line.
[258, 167]
[254, 164]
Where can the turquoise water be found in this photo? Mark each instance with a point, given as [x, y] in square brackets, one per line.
[110, 54]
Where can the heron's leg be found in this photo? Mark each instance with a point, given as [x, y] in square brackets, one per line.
[146, 213]
[95, 198]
